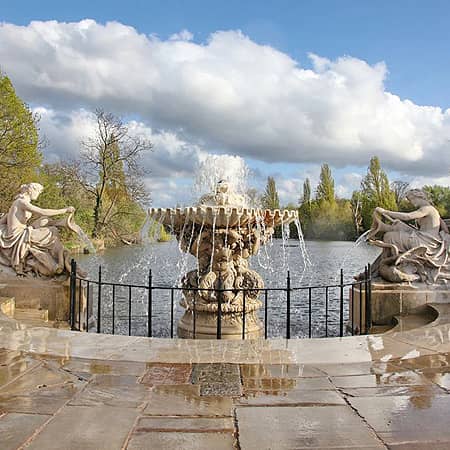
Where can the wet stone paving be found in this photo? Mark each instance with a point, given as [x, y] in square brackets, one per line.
[68, 390]
[81, 403]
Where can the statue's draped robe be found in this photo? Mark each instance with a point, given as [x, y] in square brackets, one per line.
[420, 252]
[27, 247]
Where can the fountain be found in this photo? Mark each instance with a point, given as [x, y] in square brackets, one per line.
[221, 232]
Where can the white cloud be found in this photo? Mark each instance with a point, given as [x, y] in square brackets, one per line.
[228, 94]
[172, 157]
[183, 35]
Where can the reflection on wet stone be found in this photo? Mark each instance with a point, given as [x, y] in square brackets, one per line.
[185, 400]
[217, 379]
[166, 374]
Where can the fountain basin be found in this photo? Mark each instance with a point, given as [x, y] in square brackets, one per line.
[222, 216]
[221, 232]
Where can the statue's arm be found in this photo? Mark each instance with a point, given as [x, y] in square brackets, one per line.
[45, 211]
[414, 215]
[444, 226]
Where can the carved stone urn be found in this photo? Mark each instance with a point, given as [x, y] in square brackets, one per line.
[222, 233]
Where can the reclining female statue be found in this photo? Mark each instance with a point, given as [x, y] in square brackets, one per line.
[33, 246]
[412, 253]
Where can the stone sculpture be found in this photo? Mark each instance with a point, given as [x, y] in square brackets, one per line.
[411, 252]
[222, 233]
[30, 243]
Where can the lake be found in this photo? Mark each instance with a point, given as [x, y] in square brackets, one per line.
[131, 265]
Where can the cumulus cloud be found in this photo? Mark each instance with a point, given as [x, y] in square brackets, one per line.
[183, 35]
[172, 158]
[229, 94]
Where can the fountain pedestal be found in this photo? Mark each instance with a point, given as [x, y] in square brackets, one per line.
[221, 233]
[231, 324]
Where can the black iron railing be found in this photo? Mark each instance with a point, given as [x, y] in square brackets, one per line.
[98, 306]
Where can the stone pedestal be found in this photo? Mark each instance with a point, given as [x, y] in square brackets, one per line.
[48, 295]
[393, 299]
[231, 322]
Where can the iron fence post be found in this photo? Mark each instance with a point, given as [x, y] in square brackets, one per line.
[80, 298]
[353, 308]
[73, 274]
[194, 318]
[171, 312]
[149, 304]
[219, 307]
[341, 305]
[369, 285]
[244, 298]
[99, 299]
[113, 309]
[88, 304]
[310, 312]
[367, 300]
[266, 297]
[129, 310]
[288, 305]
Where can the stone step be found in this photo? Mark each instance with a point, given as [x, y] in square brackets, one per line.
[29, 314]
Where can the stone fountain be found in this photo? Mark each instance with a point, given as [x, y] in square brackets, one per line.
[222, 232]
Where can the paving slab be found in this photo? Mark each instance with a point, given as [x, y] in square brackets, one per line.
[105, 367]
[279, 371]
[179, 440]
[286, 384]
[87, 428]
[302, 427]
[16, 429]
[200, 424]
[122, 391]
[294, 397]
[42, 390]
[156, 374]
[388, 391]
[217, 379]
[408, 418]
[185, 400]
[404, 378]
[13, 364]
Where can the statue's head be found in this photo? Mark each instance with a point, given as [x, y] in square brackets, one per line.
[221, 186]
[417, 197]
[32, 189]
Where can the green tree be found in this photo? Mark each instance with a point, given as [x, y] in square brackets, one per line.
[325, 188]
[20, 156]
[399, 188]
[270, 198]
[440, 197]
[306, 198]
[375, 191]
[356, 206]
[304, 211]
[110, 174]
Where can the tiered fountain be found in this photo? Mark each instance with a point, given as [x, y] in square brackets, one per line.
[222, 232]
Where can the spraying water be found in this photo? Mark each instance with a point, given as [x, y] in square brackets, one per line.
[215, 168]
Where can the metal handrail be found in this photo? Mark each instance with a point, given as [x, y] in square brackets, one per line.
[364, 285]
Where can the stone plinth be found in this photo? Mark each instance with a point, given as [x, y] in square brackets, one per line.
[394, 299]
[231, 323]
[47, 295]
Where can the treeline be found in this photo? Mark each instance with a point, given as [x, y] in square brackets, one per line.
[324, 215]
[105, 184]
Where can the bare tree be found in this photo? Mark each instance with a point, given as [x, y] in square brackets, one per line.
[400, 188]
[109, 170]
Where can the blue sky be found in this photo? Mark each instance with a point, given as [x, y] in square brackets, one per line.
[410, 37]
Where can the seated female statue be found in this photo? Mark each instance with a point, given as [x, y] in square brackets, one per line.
[411, 253]
[29, 240]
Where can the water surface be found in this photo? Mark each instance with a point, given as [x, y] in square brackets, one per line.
[132, 264]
